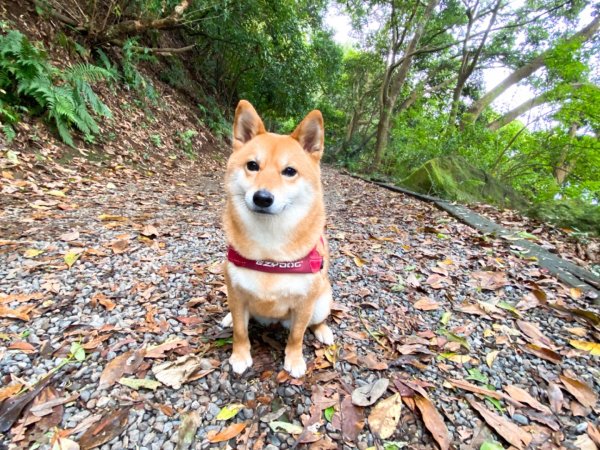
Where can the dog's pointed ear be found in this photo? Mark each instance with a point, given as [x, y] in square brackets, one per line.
[246, 124]
[310, 133]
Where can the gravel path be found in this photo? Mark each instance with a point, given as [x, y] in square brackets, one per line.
[421, 300]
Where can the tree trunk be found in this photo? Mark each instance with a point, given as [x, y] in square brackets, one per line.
[563, 168]
[523, 72]
[393, 83]
[383, 129]
[469, 62]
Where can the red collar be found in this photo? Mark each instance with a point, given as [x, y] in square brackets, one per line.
[311, 263]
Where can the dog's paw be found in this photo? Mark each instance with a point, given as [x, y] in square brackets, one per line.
[323, 334]
[296, 366]
[239, 363]
[227, 321]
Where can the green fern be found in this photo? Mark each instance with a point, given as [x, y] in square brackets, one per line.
[65, 97]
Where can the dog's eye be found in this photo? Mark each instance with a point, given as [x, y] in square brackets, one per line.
[252, 166]
[289, 172]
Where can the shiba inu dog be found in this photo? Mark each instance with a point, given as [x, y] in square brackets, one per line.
[277, 258]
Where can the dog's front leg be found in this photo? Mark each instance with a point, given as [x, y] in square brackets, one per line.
[240, 358]
[294, 361]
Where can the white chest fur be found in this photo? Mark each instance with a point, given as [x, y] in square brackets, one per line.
[270, 286]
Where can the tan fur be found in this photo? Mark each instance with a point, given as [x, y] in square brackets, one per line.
[287, 236]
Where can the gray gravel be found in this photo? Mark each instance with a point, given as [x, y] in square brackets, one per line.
[176, 277]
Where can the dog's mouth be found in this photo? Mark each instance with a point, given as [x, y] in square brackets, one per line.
[265, 211]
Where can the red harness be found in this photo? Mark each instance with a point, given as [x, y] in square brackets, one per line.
[311, 263]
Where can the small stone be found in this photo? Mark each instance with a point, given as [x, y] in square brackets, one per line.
[581, 428]
[289, 392]
[520, 419]
[102, 402]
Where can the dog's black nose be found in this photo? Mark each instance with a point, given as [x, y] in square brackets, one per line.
[263, 198]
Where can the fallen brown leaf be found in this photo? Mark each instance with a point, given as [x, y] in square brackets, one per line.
[523, 396]
[182, 370]
[124, 364]
[112, 425]
[227, 433]
[483, 391]
[437, 281]
[372, 363]
[581, 391]
[99, 297]
[25, 347]
[119, 246]
[508, 430]
[594, 433]
[555, 396]
[544, 353]
[352, 418]
[535, 335]
[159, 351]
[385, 416]
[150, 231]
[70, 236]
[488, 280]
[426, 304]
[9, 391]
[13, 314]
[433, 421]
[11, 408]
[583, 442]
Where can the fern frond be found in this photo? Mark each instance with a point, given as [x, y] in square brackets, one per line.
[97, 106]
[8, 132]
[63, 131]
[65, 97]
[87, 72]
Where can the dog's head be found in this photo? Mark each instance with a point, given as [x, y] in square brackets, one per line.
[270, 174]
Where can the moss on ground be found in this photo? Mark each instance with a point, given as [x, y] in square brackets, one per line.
[453, 178]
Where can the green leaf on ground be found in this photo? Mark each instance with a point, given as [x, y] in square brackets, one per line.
[221, 342]
[455, 338]
[491, 445]
[475, 374]
[510, 308]
[229, 411]
[137, 383]
[289, 428]
[77, 351]
[70, 258]
[328, 413]
[495, 402]
[32, 252]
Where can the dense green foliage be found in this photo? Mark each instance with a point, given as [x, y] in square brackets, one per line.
[30, 84]
[413, 87]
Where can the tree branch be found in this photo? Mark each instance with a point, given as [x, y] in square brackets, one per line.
[526, 106]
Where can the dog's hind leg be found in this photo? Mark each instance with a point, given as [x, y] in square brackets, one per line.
[227, 321]
[317, 322]
[323, 333]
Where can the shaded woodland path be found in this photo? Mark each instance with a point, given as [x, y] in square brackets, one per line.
[479, 343]
[564, 270]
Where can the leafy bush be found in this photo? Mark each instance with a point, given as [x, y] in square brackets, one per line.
[186, 139]
[30, 84]
[132, 76]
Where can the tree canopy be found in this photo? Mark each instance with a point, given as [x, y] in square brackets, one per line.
[421, 79]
